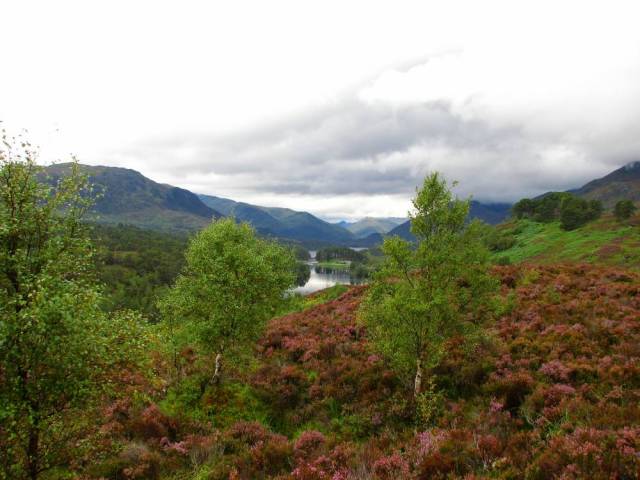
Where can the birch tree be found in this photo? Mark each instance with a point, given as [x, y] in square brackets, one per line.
[432, 290]
[232, 283]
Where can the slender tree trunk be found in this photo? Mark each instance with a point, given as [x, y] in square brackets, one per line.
[33, 452]
[417, 386]
[218, 371]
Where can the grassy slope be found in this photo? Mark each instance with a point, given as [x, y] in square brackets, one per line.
[605, 241]
[337, 264]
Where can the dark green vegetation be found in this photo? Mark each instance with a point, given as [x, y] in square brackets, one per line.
[136, 265]
[560, 227]
[126, 196]
[573, 212]
[339, 253]
[624, 209]
[360, 264]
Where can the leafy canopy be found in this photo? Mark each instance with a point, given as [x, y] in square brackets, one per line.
[232, 283]
[429, 292]
[57, 348]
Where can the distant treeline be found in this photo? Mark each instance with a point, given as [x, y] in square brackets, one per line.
[572, 211]
[340, 253]
[136, 265]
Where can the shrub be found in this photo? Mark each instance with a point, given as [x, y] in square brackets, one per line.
[391, 467]
[624, 209]
[309, 443]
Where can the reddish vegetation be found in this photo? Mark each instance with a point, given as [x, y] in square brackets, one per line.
[553, 392]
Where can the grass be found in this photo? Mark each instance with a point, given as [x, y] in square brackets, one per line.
[338, 264]
[605, 241]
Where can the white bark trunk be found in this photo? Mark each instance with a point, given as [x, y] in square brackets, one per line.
[417, 386]
[217, 372]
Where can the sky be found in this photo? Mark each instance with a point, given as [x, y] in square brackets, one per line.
[337, 108]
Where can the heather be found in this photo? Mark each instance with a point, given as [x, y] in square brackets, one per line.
[443, 366]
[550, 392]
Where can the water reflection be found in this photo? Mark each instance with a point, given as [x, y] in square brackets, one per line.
[321, 278]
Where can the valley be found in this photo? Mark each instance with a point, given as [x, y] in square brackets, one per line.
[219, 367]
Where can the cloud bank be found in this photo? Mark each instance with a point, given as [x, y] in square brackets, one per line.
[503, 131]
[341, 109]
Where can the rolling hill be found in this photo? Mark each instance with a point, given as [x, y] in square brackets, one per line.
[129, 197]
[605, 241]
[282, 222]
[621, 184]
[368, 225]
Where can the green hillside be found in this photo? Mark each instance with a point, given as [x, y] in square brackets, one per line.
[605, 241]
[282, 222]
[128, 197]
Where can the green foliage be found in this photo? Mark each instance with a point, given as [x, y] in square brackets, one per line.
[572, 211]
[498, 240]
[303, 272]
[576, 212]
[424, 296]
[57, 348]
[429, 405]
[339, 253]
[624, 209]
[301, 253]
[231, 284]
[136, 266]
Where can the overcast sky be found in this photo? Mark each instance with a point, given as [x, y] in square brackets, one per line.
[338, 108]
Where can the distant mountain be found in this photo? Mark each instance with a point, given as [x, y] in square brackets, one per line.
[129, 197]
[492, 213]
[282, 222]
[344, 224]
[621, 184]
[403, 231]
[368, 225]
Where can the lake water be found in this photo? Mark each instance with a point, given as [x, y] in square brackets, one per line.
[322, 278]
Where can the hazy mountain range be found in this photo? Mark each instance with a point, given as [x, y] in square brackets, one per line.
[281, 222]
[129, 197]
[370, 225]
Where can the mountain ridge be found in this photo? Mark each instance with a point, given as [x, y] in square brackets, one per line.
[368, 225]
[621, 184]
[282, 222]
[127, 196]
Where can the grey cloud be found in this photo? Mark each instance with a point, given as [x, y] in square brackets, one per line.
[353, 147]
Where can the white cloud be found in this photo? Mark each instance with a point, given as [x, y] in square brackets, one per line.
[339, 107]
